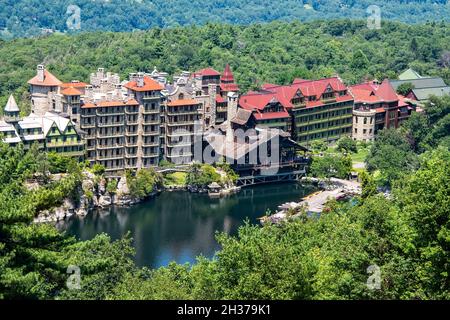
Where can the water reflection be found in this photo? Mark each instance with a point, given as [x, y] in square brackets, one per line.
[178, 226]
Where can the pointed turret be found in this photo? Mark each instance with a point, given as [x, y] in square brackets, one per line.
[227, 76]
[227, 83]
[11, 105]
[12, 110]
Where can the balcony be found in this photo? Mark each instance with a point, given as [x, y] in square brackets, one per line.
[110, 124]
[150, 144]
[178, 113]
[64, 144]
[180, 155]
[130, 155]
[151, 122]
[309, 132]
[87, 125]
[109, 157]
[131, 144]
[150, 155]
[151, 97]
[110, 146]
[132, 123]
[181, 123]
[87, 115]
[131, 112]
[109, 114]
[150, 111]
[328, 100]
[109, 135]
[150, 133]
[180, 134]
[131, 133]
[180, 144]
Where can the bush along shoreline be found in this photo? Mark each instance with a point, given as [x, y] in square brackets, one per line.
[91, 190]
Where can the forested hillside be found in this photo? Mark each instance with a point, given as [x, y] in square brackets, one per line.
[29, 17]
[275, 52]
[406, 235]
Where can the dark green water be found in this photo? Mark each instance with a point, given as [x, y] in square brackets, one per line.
[178, 226]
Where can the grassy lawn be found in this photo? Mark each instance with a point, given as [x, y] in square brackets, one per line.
[175, 179]
[361, 155]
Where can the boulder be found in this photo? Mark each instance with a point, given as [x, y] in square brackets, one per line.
[122, 186]
[104, 201]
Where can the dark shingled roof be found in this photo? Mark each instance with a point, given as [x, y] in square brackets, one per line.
[242, 116]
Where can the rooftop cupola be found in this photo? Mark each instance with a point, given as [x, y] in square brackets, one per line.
[12, 110]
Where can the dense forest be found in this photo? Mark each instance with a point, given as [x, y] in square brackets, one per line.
[275, 52]
[34, 17]
[406, 235]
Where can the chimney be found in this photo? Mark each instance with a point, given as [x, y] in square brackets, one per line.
[40, 72]
[118, 91]
[89, 91]
[101, 73]
[232, 105]
[140, 79]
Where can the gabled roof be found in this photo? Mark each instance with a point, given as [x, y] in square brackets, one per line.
[421, 83]
[425, 93]
[183, 102]
[149, 85]
[7, 127]
[387, 92]
[409, 74]
[60, 122]
[207, 72]
[242, 116]
[74, 84]
[371, 92]
[114, 103]
[285, 94]
[11, 105]
[49, 80]
[71, 91]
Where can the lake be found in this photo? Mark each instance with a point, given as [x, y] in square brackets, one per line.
[179, 226]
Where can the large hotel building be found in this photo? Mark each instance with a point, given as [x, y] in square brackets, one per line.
[308, 109]
[138, 122]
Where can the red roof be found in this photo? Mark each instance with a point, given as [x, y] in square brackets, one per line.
[402, 102]
[49, 80]
[182, 102]
[220, 99]
[131, 102]
[207, 72]
[372, 93]
[71, 92]
[285, 94]
[74, 84]
[227, 74]
[149, 85]
[271, 115]
[229, 87]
